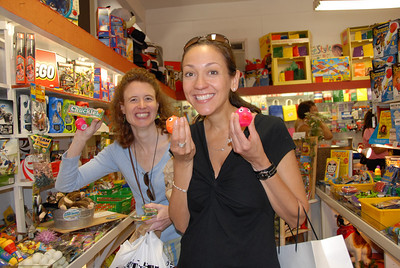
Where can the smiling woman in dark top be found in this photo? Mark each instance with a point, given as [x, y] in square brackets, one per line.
[229, 182]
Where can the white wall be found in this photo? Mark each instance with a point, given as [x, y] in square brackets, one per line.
[248, 20]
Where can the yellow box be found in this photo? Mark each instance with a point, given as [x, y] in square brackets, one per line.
[379, 218]
[360, 186]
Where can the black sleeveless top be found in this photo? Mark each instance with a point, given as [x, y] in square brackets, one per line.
[231, 220]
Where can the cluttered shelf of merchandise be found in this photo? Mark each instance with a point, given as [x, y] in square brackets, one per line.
[310, 87]
[47, 23]
[61, 93]
[354, 216]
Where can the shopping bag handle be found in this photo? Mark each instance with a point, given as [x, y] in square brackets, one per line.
[298, 225]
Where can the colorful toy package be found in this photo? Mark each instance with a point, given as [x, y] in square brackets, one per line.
[84, 78]
[6, 117]
[385, 39]
[396, 78]
[331, 69]
[39, 111]
[386, 61]
[382, 85]
[395, 116]
[66, 76]
[8, 158]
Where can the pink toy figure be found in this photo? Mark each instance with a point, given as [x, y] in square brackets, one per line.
[245, 116]
[81, 124]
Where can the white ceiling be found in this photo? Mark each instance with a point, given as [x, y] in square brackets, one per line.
[155, 4]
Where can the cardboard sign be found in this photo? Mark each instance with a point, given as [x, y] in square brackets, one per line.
[46, 69]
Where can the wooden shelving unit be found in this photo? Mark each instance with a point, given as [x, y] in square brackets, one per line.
[353, 39]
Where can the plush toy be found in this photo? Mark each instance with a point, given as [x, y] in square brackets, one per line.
[355, 243]
[75, 200]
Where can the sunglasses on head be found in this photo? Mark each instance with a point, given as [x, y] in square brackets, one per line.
[213, 37]
[150, 189]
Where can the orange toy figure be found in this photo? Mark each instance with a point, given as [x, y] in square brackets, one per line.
[170, 123]
[245, 116]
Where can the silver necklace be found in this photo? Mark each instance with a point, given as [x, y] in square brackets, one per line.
[228, 141]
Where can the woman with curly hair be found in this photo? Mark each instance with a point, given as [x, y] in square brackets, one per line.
[140, 152]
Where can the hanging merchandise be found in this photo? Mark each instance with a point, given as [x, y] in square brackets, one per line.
[275, 109]
[289, 111]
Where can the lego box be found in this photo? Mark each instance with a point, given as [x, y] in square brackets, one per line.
[331, 69]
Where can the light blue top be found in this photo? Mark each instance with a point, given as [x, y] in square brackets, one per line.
[111, 159]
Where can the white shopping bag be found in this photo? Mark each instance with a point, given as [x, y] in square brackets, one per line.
[146, 251]
[325, 253]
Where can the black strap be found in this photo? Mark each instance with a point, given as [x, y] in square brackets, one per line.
[298, 219]
[134, 172]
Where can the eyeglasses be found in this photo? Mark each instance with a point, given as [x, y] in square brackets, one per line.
[214, 37]
[150, 189]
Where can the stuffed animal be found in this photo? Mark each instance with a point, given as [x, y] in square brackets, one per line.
[355, 243]
[75, 200]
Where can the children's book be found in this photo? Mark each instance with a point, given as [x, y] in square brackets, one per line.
[381, 133]
[332, 169]
[346, 162]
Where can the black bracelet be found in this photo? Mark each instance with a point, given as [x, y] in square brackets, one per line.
[266, 173]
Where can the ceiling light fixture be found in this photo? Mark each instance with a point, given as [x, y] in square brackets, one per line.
[354, 4]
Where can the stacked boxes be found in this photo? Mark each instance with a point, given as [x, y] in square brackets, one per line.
[100, 84]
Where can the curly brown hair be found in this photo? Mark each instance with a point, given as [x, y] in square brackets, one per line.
[122, 129]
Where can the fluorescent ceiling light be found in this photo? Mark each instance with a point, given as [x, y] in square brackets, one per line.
[355, 4]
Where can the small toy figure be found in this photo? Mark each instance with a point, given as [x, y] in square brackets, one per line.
[170, 123]
[245, 116]
[355, 243]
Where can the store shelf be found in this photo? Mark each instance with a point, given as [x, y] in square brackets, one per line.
[376, 236]
[310, 87]
[63, 37]
[51, 92]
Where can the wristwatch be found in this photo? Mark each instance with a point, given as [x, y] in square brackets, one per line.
[266, 173]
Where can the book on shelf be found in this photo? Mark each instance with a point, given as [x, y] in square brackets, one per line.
[332, 169]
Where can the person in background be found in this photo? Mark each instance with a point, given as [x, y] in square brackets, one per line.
[301, 123]
[378, 154]
[140, 152]
[229, 183]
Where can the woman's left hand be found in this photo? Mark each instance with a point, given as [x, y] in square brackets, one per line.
[250, 148]
[162, 220]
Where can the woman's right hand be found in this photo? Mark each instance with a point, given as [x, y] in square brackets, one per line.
[182, 145]
[89, 131]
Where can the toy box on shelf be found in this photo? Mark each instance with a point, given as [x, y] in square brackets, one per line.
[380, 218]
[256, 73]
[290, 54]
[331, 69]
[357, 45]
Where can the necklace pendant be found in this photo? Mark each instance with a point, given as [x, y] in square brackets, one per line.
[222, 149]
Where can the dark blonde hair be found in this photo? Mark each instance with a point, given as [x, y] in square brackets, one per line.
[226, 51]
[122, 129]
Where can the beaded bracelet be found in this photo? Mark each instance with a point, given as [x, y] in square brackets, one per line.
[180, 189]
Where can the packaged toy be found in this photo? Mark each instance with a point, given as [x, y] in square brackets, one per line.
[396, 78]
[20, 58]
[66, 76]
[56, 123]
[331, 69]
[382, 85]
[386, 61]
[38, 106]
[30, 58]
[8, 156]
[84, 78]
[86, 115]
[6, 117]
[25, 116]
[103, 22]
[69, 120]
[385, 38]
